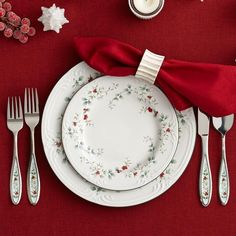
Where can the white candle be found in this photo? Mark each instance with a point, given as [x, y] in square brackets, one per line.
[146, 9]
[146, 6]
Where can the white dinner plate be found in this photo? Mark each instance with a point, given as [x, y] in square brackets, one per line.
[54, 110]
[119, 133]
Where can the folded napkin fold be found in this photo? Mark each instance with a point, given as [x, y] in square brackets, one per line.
[211, 87]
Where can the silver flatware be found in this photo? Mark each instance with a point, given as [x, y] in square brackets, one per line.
[205, 179]
[223, 125]
[31, 112]
[15, 124]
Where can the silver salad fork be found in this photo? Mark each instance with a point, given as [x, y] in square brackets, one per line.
[15, 124]
[31, 111]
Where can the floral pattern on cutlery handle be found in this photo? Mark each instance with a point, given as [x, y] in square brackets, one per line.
[15, 182]
[33, 181]
[205, 179]
[224, 186]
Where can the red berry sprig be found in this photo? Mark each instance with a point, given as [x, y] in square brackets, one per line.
[12, 25]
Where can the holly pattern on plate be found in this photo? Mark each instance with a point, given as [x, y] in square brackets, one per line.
[77, 83]
[82, 121]
[57, 143]
[80, 82]
[91, 192]
[139, 170]
[165, 131]
[143, 95]
[182, 120]
[166, 174]
[97, 93]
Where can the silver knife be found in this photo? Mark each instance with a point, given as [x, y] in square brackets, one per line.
[205, 179]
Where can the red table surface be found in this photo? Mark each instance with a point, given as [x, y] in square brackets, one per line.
[185, 29]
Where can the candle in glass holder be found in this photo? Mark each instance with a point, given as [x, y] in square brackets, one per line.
[146, 9]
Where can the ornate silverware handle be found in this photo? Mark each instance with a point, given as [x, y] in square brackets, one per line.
[33, 179]
[15, 177]
[224, 185]
[205, 179]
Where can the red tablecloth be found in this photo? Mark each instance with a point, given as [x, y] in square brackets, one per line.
[187, 30]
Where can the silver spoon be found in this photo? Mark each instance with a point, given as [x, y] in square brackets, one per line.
[223, 125]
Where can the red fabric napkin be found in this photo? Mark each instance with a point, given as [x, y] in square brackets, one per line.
[210, 87]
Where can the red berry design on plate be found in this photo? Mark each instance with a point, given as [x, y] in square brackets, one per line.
[12, 25]
[124, 167]
[2, 26]
[8, 32]
[58, 144]
[168, 130]
[90, 79]
[85, 117]
[149, 109]
[7, 6]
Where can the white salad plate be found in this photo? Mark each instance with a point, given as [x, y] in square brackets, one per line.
[119, 133]
[53, 113]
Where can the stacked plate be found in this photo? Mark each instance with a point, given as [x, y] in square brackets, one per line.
[115, 141]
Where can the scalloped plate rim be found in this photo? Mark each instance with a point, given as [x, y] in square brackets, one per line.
[93, 198]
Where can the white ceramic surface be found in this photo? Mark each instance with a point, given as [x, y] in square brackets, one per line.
[119, 133]
[54, 109]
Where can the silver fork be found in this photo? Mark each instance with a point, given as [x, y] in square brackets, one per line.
[15, 124]
[31, 111]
